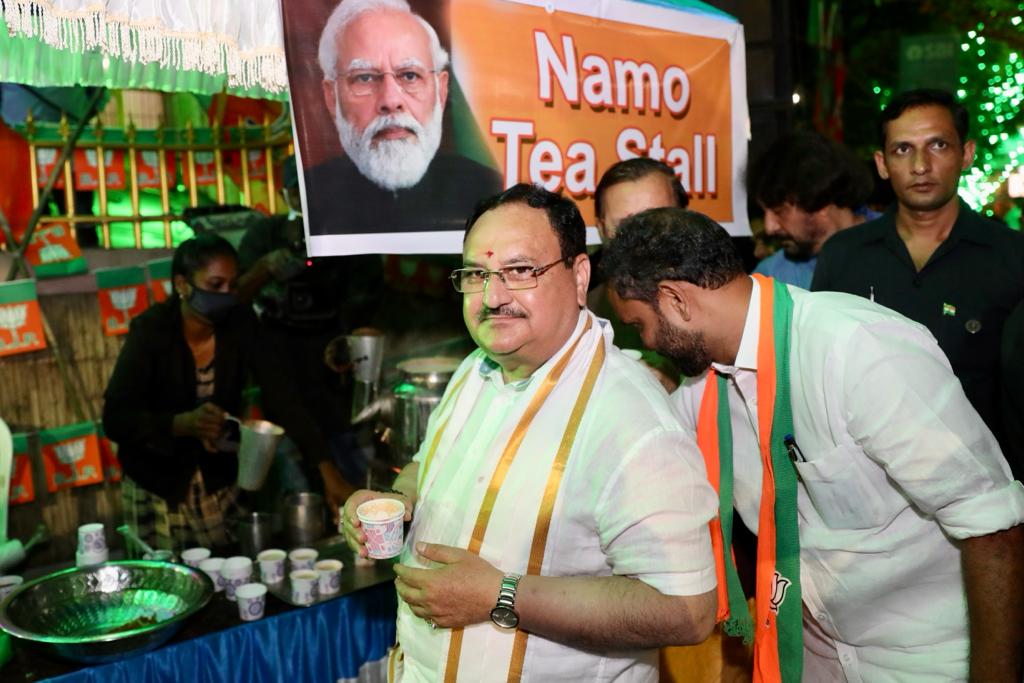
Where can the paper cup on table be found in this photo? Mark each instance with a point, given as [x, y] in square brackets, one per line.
[91, 539]
[193, 556]
[236, 571]
[211, 567]
[252, 599]
[329, 576]
[271, 565]
[302, 558]
[8, 584]
[383, 522]
[303, 586]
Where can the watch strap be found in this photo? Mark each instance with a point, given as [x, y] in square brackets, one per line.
[507, 592]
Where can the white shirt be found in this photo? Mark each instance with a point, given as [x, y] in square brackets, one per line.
[634, 501]
[898, 463]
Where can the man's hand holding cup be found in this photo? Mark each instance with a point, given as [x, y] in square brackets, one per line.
[374, 534]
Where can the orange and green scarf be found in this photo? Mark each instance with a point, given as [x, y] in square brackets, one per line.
[777, 628]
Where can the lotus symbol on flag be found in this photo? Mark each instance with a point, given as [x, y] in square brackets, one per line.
[167, 287]
[71, 452]
[123, 299]
[54, 252]
[12, 318]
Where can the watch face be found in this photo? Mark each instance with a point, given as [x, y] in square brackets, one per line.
[504, 617]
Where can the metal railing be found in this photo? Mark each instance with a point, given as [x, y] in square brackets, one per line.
[273, 146]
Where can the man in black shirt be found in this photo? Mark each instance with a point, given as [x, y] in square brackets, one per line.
[934, 259]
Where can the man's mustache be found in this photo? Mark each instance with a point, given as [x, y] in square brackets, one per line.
[506, 311]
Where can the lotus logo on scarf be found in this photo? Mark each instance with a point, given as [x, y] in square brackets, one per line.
[779, 585]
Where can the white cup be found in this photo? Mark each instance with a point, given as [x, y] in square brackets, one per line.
[91, 539]
[212, 567]
[303, 586]
[8, 584]
[383, 522]
[302, 558]
[329, 576]
[252, 600]
[193, 556]
[271, 565]
[235, 571]
[91, 559]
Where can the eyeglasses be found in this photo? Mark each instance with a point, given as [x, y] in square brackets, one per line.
[472, 280]
[362, 82]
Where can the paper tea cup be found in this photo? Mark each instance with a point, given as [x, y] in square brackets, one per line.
[329, 579]
[303, 586]
[211, 567]
[302, 558]
[91, 538]
[236, 571]
[252, 600]
[271, 563]
[193, 556]
[383, 522]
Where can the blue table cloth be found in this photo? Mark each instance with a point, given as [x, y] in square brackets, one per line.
[342, 639]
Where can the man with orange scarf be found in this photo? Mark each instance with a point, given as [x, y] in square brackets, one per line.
[890, 544]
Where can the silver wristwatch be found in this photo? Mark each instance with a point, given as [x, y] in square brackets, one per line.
[504, 613]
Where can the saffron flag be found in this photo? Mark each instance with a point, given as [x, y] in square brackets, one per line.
[86, 168]
[71, 456]
[22, 489]
[54, 252]
[159, 278]
[21, 321]
[122, 296]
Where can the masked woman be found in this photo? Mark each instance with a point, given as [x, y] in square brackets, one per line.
[181, 372]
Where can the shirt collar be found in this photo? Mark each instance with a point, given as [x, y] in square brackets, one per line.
[491, 371]
[746, 355]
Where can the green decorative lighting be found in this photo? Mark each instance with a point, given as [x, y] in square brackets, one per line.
[994, 75]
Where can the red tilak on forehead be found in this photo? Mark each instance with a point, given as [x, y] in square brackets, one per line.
[489, 253]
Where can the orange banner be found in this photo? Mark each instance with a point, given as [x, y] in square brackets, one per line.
[568, 96]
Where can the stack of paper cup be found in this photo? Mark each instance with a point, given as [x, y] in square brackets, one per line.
[235, 571]
[271, 565]
[92, 545]
[212, 566]
[252, 599]
[382, 520]
[328, 576]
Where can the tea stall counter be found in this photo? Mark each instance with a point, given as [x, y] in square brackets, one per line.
[345, 637]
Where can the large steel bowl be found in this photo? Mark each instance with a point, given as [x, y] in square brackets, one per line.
[107, 612]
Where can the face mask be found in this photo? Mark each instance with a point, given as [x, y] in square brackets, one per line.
[214, 306]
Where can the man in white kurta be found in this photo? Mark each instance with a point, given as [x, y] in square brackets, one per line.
[556, 457]
[898, 475]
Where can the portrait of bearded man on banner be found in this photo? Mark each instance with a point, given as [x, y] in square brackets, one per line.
[383, 83]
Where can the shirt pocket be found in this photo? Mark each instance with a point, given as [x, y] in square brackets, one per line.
[842, 492]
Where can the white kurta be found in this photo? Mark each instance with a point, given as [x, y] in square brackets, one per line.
[898, 463]
[634, 501]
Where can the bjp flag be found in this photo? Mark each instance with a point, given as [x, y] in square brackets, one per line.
[71, 456]
[22, 489]
[122, 296]
[21, 321]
